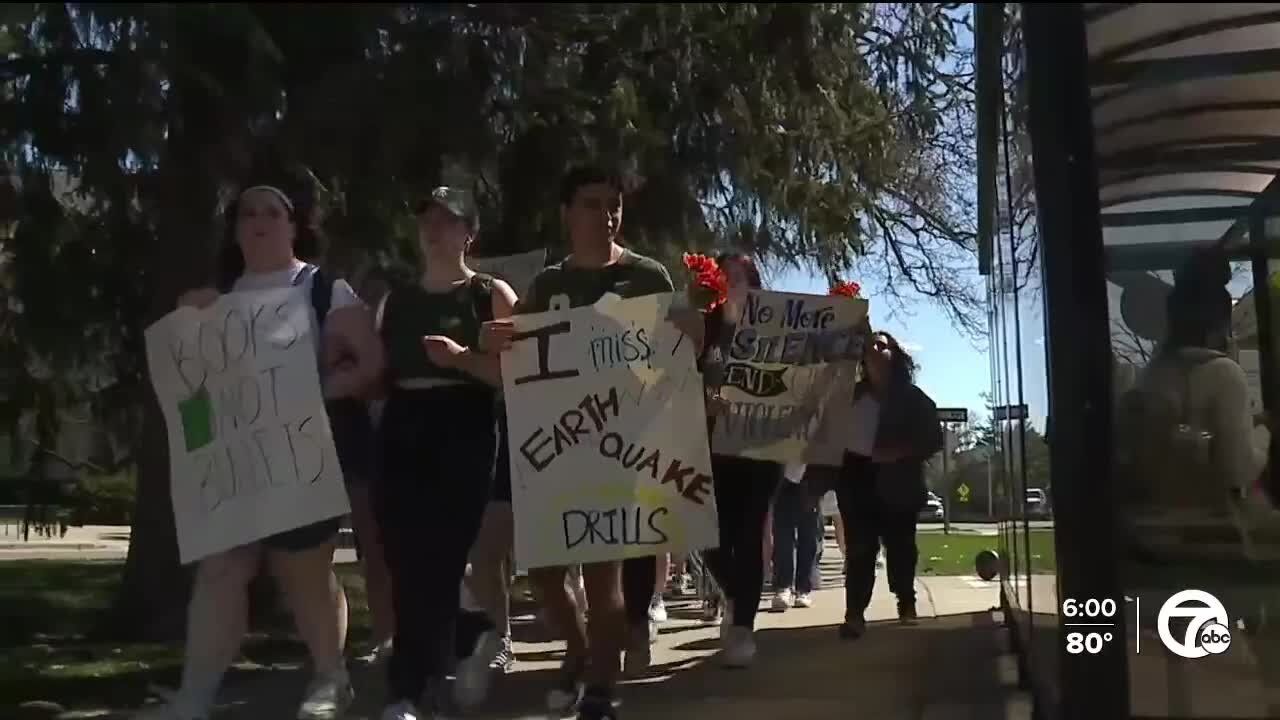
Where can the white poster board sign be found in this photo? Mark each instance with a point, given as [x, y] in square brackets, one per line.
[251, 453]
[790, 369]
[608, 437]
[518, 270]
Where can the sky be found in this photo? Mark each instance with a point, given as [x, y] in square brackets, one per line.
[952, 371]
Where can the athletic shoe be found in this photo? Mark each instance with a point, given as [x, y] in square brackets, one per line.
[597, 706]
[505, 659]
[564, 698]
[657, 609]
[739, 647]
[327, 698]
[403, 710]
[471, 685]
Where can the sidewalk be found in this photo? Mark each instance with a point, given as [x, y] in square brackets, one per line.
[948, 666]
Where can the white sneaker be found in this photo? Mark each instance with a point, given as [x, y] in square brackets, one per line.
[377, 654]
[327, 698]
[403, 710]
[471, 684]
[782, 600]
[804, 600]
[739, 647]
[657, 609]
[504, 661]
[684, 585]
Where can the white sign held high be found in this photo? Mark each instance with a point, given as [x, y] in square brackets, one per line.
[607, 433]
[251, 453]
[789, 374]
[518, 270]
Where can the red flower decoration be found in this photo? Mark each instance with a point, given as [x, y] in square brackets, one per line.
[710, 285]
[845, 289]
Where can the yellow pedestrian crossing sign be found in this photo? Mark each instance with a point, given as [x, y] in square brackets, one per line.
[962, 493]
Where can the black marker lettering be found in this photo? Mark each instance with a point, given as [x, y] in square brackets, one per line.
[653, 525]
[651, 462]
[616, 441]
[543, 336]
[572, 421]
[538, 465]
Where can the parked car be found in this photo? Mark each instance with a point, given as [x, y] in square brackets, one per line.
[933, 510]
[1037, 503]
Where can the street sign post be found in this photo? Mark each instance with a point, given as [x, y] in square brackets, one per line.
[1009, 412]
[949, 416]
[953, 415]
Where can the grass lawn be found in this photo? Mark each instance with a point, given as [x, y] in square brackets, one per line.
[49, 652]
[953, 554]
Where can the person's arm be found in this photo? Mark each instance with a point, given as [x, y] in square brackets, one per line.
[350, 333]
[199, 298]
[485, 366]
[1229, 419]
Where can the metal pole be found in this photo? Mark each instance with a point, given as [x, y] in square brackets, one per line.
[946, 482]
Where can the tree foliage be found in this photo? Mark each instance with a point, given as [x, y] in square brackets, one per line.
[831, 136]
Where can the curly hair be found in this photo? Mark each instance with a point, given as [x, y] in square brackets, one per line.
[904, 367]
[308, 240]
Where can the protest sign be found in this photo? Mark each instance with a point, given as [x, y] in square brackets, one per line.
[518, 270]
[607, 433]
[789, 373]
[250, 449]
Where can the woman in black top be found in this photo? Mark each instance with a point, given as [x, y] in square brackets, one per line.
[881, 495]
[439, 439]
[743, 486]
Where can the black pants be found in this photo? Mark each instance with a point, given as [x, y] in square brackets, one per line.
[639, 580]
[438, 452]
[869, 522]
[743, 490]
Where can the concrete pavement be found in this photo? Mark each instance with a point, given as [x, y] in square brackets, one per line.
[950, 665]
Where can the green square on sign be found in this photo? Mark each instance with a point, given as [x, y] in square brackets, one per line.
[197, 419]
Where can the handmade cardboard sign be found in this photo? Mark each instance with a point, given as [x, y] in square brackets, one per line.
[789, 373]
[250, 449]
[608, 436]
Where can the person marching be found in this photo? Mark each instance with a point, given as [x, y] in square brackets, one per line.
[591, 209]
[269, 226]
[880, 495]
[744, 487]
[439, 434]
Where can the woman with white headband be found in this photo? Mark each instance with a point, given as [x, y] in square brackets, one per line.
[268, 230]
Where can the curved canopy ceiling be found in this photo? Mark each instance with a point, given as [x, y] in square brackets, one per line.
[1186, 109]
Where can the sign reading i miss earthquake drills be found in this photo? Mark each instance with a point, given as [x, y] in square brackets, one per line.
[607, 435]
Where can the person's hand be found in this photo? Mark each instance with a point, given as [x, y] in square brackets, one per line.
[716, 405]
[442, 351]
[200, 298]
[495, 335]
[689, 321]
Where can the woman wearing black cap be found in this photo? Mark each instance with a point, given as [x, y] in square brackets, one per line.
[438, 442]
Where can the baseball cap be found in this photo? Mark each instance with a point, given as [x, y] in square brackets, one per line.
[456, 200]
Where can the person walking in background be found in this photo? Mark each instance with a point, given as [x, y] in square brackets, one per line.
[880, 495]
[439, 444]
[270, 228]
[743, 487]
[797, 532]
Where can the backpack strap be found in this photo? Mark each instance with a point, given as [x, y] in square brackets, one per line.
[321, 293]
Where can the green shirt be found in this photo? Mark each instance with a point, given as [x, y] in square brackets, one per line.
[562, 286]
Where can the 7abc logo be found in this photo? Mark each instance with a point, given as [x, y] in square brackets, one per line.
[1207, 625]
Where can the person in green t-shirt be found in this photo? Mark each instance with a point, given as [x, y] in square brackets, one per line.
[591, 209]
